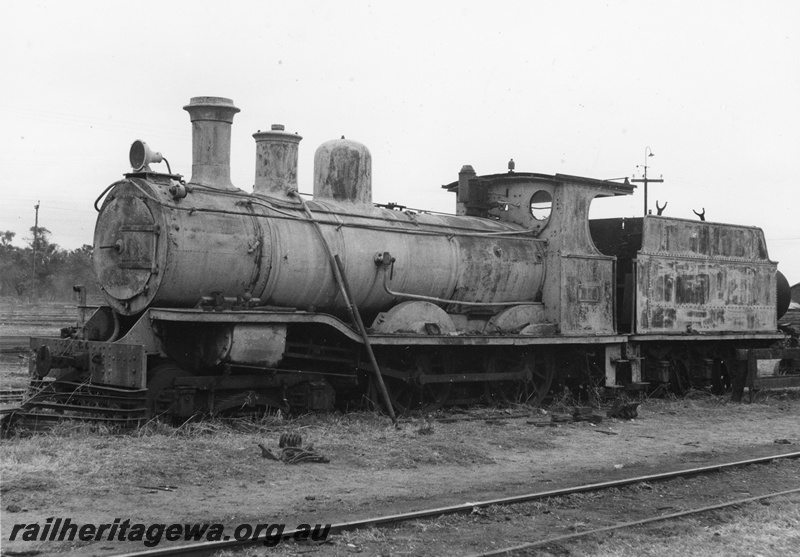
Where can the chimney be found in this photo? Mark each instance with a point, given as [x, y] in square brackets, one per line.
[211, 141]
[276, 162]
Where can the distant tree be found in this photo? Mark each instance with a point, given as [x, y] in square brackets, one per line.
[57, 270]
[6, 238]
[14, 274]
[77, 268]
[42, 253]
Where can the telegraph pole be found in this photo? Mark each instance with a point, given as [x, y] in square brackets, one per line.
[35, 242]
[646, 180]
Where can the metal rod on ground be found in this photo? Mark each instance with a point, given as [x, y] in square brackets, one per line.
[357, 317]
[338, 275]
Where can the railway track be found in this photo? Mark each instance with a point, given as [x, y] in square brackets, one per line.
[513, 550]
[209, 548]
[10, 399]
[8, 396]
[14, 344]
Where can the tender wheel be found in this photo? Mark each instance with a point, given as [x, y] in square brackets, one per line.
[416, 394]
[160, 388]
[539, 368]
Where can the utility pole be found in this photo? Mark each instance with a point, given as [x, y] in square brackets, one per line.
[35, 243]
[646, 180]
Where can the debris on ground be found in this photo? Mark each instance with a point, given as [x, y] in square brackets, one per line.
[541, 424]
[290, 440]
[266, 453]
[606, 431]
[296, 455]
[579, 414]
[292, 451]
[425, 426]
[624, 411]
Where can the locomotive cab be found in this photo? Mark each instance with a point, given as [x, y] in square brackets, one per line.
[579, 293]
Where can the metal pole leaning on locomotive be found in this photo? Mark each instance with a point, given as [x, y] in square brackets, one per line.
[338, 271]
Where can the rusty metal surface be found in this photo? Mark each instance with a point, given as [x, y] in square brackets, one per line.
[413, 317]
[516, 319]
[587, 295]
[49, 402]
[211, 118]
[182, 256]
[236, 248]
[276, 162]
[343, 172]
[161, 243]
[695, 276]
[257, 344]
[101, 363]
[125, 246]
[155, 247]
[707, 337]
[142, 334]
[579, 285]
[199, 316]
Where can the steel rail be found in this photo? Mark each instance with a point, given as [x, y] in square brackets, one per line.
[210, 547]
[568, 537]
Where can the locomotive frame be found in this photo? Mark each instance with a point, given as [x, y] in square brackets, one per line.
[221, 300]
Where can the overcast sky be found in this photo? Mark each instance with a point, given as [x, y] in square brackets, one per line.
[573, 87]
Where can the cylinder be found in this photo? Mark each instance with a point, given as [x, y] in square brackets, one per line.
[343, 172]
[276, 162]
[211, 118]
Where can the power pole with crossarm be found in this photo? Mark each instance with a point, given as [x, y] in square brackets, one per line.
[646, 180]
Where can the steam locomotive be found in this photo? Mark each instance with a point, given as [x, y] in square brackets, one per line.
[222, 301]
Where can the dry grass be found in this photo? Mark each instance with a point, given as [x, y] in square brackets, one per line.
[357, 439]
[771, 529]
[76, 462]
[752, 530]
[92, 457]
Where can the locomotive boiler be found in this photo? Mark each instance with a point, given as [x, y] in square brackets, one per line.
[164, 244]
[221, 300]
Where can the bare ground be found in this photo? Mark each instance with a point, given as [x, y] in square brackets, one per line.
[374, 469]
